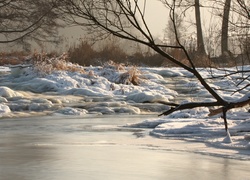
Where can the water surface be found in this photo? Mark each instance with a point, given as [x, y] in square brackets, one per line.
[66, 148]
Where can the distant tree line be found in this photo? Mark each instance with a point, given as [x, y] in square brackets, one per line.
[227, 29]
[25, 21]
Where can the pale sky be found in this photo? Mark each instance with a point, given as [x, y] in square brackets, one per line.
[157, 17]
[155, 14]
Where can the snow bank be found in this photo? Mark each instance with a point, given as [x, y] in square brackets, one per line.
[4, 109]
[85, 92]
[8, 93]
[200, 112]
[209, 131]
[71, 111]
[40, 85]
[142, 97]
[4, 69]
[2, 99]
[104, 84]
[105, 90]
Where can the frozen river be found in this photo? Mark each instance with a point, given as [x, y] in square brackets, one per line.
[99, 148]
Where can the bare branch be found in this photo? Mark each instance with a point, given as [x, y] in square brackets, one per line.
[28, 19]
[126, 19]
[190, 106]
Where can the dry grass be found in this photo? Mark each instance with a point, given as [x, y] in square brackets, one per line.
[113, 65]
[134, 76]
[130, 77]
[82, 53]
[85, 54]
[46, 64]
[202, 61]
[12, 58]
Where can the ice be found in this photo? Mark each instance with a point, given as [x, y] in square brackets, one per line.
[71, 111]
[39, 106]
[106, 91]
[85, 92]
[4, 69]
[8, 93]
[247, 137]
[228, 138]
[146, 97]
[2, 99]
[39, 85]
[244, 98]
[4, 109]
[189, 113]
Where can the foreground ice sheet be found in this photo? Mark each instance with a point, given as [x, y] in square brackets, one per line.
[99, 148]
[209, 131]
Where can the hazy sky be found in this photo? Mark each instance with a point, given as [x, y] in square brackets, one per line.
[157, 16]
[155, 13]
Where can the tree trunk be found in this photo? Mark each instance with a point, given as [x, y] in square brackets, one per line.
[224, 28]
[200, 42]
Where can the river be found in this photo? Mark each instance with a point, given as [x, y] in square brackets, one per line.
[99, 148]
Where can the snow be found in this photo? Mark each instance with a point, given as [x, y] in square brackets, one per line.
[7, 92]
[244, 98]
[228, 138]
[4, 109]
[71, 111]
[105, 90]
[146, 97]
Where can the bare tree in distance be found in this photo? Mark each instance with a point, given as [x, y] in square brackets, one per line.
[118, 17]
[21, 21]
[184, 6]
[235, 18]
[245, 7]
[170, 30]
[200, 42]
[224, 28]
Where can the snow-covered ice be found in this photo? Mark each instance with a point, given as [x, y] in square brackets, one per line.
[105, 90]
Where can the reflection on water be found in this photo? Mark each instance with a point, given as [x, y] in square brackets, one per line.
[94, 148]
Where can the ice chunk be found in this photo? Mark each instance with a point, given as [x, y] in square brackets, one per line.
[142, 97]
[7, 92]
[83, 92]
[2, 99]
[227, 139]
[72, 111]
[4, 109]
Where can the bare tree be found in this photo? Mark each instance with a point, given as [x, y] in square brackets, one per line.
[235, 16]
[28, 20]
[244, 9]
[183, 7]
[170, 30]
[200, 43]
[224, 28]
[118, 17]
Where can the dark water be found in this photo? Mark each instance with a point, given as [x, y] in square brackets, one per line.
[94, 148]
